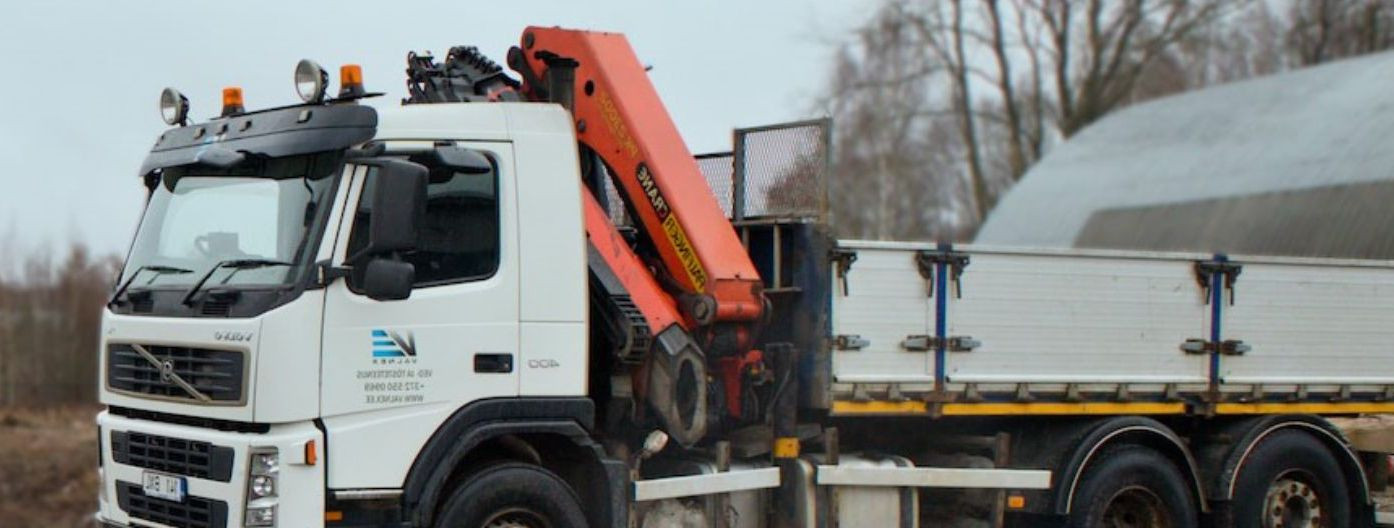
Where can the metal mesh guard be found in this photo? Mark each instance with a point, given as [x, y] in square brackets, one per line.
[719, 169]
[774, 171]
[783, 169]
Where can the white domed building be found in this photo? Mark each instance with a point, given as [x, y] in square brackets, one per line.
[1296, 164]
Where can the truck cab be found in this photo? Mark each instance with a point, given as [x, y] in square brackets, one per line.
[252, 299]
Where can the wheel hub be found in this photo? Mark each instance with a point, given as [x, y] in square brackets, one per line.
[517, 518]
[1292, 503]
[1135, 507]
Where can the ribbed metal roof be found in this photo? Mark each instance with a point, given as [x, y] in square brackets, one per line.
[1298, 164]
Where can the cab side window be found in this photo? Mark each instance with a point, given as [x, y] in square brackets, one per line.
[459, 236]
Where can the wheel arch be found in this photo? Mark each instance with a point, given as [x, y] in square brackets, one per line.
[1142, 432]
[519, 429]
[1252, 432]
[1077, 445]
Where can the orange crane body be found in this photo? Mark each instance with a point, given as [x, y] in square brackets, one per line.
[657, 307]
[620, 117]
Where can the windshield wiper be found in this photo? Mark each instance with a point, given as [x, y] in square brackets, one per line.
[236, 265]
[158, 269]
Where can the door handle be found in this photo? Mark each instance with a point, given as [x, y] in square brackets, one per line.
[493, 363]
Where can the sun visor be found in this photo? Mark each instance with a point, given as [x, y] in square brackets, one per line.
[275, 133]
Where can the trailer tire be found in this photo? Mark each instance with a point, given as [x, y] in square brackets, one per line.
[513, 495]
[1133, 485]
[1292, 480]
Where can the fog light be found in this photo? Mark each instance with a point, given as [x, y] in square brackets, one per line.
[263, 486]
[261, 516]
[310, 81]
[174, 107]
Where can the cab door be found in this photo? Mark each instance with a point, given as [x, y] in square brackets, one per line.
[455, 339]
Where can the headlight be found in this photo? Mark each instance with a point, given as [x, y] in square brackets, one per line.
[265, 468]
[263, 486]
[265, 463]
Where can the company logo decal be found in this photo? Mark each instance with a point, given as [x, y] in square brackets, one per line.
[388, 344]
[676, 235]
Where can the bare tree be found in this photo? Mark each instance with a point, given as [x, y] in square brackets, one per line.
[892, 165]
[49, 320]
[917, 69]
[1324, 30]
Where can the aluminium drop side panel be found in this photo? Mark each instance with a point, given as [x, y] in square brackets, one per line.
[1093, 318]
[885, 301]
[1310, 322]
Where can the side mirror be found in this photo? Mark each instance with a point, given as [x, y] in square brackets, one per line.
[462, 160]
[398, 206]
[388, 280]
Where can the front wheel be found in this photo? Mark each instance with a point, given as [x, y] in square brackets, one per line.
[513, 495]
[1132, 486]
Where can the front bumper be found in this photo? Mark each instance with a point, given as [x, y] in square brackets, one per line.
[210, 501]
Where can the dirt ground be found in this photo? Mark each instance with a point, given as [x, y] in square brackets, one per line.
[48, 476]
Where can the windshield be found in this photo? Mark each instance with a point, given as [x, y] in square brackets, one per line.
[198, 217]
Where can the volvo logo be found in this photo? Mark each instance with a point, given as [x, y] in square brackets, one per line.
[236, 337]
[167, 374]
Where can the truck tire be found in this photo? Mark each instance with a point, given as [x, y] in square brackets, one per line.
[1133, 486]
[512, 495]
[1291, 480]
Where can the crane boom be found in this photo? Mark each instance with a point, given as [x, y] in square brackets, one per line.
[620, 118]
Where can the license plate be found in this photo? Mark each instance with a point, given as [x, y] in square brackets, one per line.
[162, 486]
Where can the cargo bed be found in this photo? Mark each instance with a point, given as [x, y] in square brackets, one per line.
[931, 323]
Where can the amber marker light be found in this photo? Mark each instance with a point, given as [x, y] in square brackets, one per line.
[1016, 502]
[232, 101]
[350, 80]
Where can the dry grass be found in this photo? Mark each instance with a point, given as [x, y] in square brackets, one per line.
[48, 474]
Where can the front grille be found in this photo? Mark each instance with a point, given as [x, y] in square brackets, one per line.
[217, 374]
[172, 455]
[194, 512]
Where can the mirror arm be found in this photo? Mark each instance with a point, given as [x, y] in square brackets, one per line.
[370, 150]
[328, 272]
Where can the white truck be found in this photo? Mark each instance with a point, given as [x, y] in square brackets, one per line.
[333, 315]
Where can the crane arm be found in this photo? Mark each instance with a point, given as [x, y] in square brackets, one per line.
[620, 117]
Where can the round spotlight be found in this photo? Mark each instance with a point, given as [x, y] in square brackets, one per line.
[311, 81]
[174, 107]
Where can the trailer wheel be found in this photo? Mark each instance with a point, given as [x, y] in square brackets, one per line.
[1132, 486]
[513, 495]
[1291, 480]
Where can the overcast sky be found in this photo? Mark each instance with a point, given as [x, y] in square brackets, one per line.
[80, 81]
